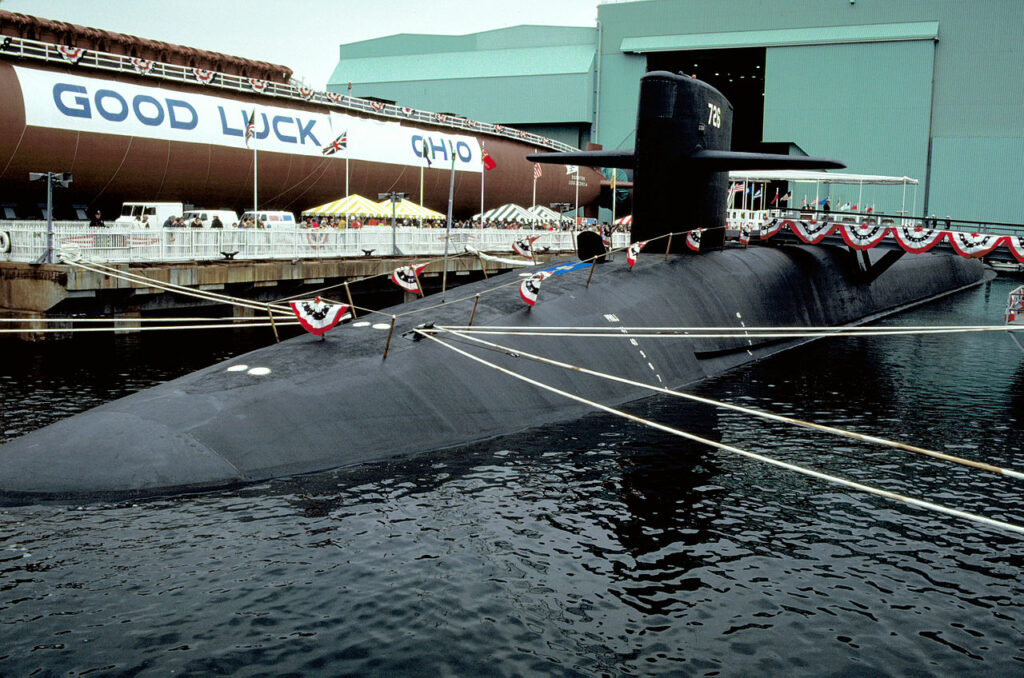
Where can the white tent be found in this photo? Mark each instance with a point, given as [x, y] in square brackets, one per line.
[548, 215]
[509, 212]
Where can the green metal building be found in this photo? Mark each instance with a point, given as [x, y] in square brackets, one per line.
[932, 89]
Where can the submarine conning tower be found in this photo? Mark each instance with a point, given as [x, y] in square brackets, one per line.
[682, 157]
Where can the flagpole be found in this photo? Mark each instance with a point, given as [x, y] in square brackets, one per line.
[255, 165]
[448, 228]
[613, 199]
[483, 173]
[576, 178]
[534, 182]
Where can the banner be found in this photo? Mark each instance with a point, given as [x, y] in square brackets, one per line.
[83, 104]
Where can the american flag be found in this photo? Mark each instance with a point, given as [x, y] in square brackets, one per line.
[250, 128]
[537, 171]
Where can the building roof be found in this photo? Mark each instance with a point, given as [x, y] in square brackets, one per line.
[494, 63]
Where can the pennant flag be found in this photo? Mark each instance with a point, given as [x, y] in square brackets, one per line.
[524, 247]
[489, 163]
[250, 127]
[317, 316]
[537, 171]
[406, 277]
[633, 251]
[531, 286]
[339, 144]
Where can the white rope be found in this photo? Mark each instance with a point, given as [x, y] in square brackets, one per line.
[172, 287]
[724, 332]
[123, 319]
[148, 328]
[745, 410]
[1010, 527]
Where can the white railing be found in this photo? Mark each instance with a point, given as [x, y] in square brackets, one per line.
[27, 242]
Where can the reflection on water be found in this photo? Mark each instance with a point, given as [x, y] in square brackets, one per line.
[596, 547]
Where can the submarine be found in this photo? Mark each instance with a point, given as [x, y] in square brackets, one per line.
[365, 394]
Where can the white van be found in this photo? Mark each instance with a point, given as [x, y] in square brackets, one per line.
[269, 219]
[148, 214]
[228, 218]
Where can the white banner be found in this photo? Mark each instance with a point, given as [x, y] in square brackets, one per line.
[73, 102]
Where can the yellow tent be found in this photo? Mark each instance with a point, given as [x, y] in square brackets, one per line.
[353, 205]
[407, 209]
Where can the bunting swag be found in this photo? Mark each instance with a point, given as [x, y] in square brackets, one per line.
[407, 278]
[634, 250]
[693, 239]
[812, 232]
[913, 239]
[524, 247]
[917, 239]
[862, 236]
[531, 286]
[973, 245]
[317, 316]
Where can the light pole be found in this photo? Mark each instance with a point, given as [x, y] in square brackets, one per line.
[63, 179]
[395, 197]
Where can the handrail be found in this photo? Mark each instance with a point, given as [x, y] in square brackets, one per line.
[12, 46]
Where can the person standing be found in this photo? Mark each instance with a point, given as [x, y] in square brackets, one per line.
[97, 220]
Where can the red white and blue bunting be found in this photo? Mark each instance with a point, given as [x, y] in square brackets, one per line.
[913, 239]
[407, 277]
[203, 76]
[693, 239]
[257, 85]
[530, 288]
[72, 54]
[317, 316]
[634, 250]
[143, 66]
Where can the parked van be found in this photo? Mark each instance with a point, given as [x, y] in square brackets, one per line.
[228, 218]
[148, 214]
[271, 219]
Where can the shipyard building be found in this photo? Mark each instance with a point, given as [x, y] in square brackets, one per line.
[931, 89]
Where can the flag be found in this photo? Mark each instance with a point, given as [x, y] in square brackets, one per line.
[572, 169]
[489, 163]
[633, 251]
[524, 247]
[804, 203]
[757, 194]
[530, 287]
[870, 210]
[787, 197]
[317, 316]
[776, 198]
[339, 144]
[736, 188]
[536, 170]
[250, 127]
[427, 156]
[744, 235]
[406, 277]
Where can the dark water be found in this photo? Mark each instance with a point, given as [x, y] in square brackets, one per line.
[592, 548]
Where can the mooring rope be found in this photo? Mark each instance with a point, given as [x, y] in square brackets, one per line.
[144, 328]
[180, 289]
[1010, 527]
[725, 332]
[518, 353]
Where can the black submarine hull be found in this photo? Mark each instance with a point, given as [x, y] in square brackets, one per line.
[335, 403]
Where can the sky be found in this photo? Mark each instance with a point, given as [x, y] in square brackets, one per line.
[301, 34]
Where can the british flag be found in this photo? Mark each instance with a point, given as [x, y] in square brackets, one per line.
[339, 144]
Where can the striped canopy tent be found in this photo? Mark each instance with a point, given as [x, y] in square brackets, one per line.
[548, 215]
[353, 205]
[407, 209]
[624, 221]
[509, 212]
